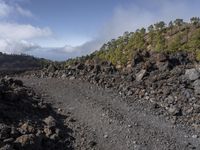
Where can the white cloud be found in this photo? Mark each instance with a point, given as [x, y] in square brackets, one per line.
[4, 9]
[23, 12]
[7, 10]
[17, 47]
[16, 31]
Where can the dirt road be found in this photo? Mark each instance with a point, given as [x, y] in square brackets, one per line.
[103, 120]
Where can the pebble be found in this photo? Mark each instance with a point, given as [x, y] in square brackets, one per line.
[194, 136]
[71, 78]
[130, 126]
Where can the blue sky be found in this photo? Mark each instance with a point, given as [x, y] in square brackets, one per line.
[59, 29]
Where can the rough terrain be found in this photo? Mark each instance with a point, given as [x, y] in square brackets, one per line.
[107, 121]
[153, 104]
[27, 122]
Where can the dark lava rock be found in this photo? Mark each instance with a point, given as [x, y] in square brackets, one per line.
[21, 125]
[80, 66]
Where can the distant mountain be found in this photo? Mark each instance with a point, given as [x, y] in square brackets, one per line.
[10, 63]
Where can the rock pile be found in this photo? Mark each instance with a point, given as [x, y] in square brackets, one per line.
[171, 82]
[28, 123]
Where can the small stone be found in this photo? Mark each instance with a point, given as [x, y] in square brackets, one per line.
[72, 120]
[103, 115]
[59, 109]
[92, 143]
[71, 78]
[64, 76]
[147, 97]
[54, 137]
[8, 140]
[130, 126]
[136, 124]
[105, 136]
[130, 93]
[196, 127]
[194, 136]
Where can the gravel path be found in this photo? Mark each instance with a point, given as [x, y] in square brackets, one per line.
[103, 120]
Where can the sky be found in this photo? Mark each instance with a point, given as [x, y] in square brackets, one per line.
[62, 29]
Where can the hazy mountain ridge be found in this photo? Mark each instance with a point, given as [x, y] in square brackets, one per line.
[19, 62]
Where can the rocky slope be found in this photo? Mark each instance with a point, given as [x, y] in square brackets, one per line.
[26, 122]
[171, 82]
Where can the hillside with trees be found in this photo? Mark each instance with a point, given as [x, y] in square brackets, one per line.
[161, 37]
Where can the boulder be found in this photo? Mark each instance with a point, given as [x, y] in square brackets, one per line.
[97, 69]
[25, 140]
[175, 111]
[4, 131]
[129, 78]
[140, 75]
[161, 57]
[80, 66]
[192, 74]
[137, 59]
[196, 86]
[51, 68]
[27, 128]
[48, 132]
[162, 66]
[64, 76]
[50, 121]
